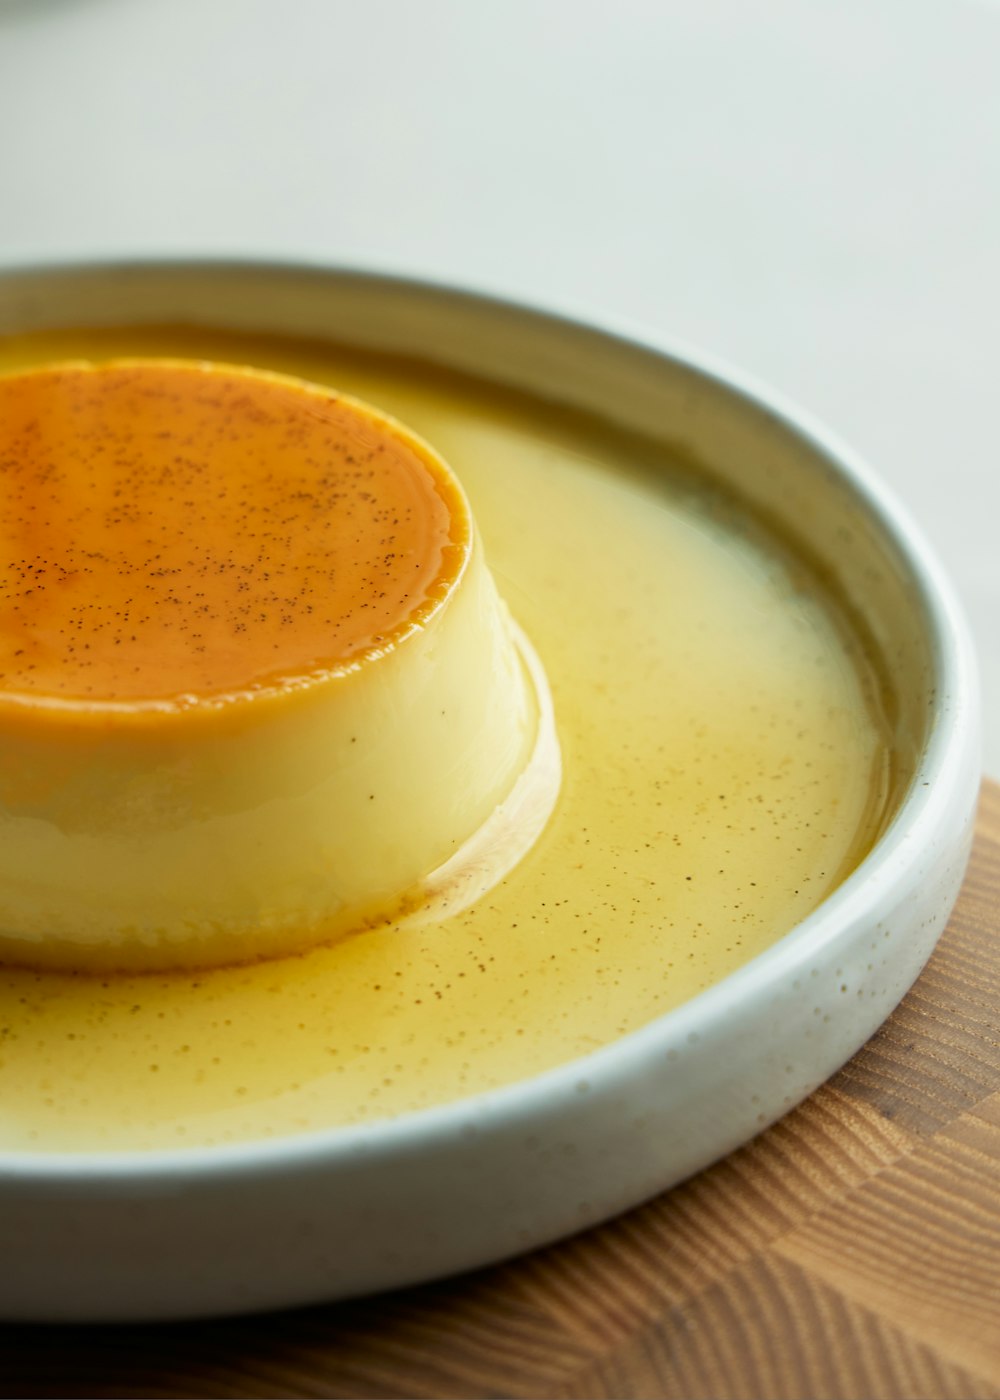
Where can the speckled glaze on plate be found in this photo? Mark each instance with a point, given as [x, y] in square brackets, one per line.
[340, 1212]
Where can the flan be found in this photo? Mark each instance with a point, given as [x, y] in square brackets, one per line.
[257, 686]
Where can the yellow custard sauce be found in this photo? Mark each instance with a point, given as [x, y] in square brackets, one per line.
[726, 763]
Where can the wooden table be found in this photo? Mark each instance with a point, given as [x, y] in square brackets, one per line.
[852, 1250]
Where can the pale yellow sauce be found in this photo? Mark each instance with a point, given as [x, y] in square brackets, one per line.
[726, 765]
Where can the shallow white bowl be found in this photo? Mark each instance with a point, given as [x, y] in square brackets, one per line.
[347, 1211]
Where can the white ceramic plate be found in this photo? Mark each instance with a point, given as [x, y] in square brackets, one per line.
[329, 1214]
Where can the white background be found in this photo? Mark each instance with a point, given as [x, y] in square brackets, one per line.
[809, 188]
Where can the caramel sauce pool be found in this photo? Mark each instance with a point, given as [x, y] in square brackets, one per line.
[726, 766]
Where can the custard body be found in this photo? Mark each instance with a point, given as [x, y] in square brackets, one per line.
[256, 683]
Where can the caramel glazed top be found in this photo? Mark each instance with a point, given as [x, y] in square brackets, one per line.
[182, 531]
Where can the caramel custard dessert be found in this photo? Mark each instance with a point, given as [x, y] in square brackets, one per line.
[292, 789]
[256, 685]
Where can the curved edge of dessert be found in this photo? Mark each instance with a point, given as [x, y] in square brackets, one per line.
[514, 826]
[189, 832]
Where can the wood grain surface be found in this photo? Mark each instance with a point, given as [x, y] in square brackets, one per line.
[852, 1250]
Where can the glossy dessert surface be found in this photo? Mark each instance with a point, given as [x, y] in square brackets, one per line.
[178, 530]
[727, 762]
